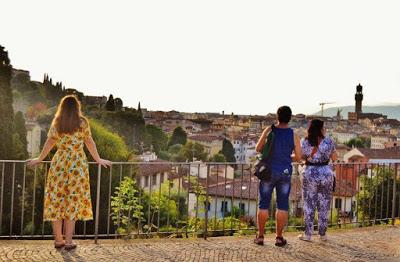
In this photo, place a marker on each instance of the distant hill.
(390, 111)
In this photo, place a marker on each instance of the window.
(242, 208)
(224, 206)
(154, 180)
(338, 203)
(146, 181)
(207, 205)
(161, 178)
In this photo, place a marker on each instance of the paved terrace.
(380, 243)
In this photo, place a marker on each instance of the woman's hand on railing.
(33, 162)
(104, 163)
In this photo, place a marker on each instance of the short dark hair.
(284, 114)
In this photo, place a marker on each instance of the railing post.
(206, 205)
(394, 194)
(96, 226)
(1, 197)
(23, 201)
(12, 199)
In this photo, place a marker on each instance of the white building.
(152, 175)
(148, 156)
(212, 144)
(33, 137)
(245, 149)
(379, 141)
(223, 197)
(200, 169)
(343, 137)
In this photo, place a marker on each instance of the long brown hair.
(315, 132)
(69, 116)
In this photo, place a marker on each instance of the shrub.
(126, 209)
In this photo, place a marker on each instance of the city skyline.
(212, 57)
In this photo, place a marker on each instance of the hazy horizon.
(211, 56)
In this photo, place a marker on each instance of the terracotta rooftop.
(205, 138)
(388, 153)
(246, 188)
(147, 169)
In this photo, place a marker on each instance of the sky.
(245, 57)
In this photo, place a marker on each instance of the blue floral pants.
(317, 193)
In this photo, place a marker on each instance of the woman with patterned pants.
(318, 178)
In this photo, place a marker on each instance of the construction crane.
(322, 104)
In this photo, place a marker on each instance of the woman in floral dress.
(318, 178)
(67, 193)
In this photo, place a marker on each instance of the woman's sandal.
(259, 240)
(59, 244)
(70, 246)
(280, 242)
(304, 237)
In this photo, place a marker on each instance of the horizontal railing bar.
(209, 163)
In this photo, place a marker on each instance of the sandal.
(70, 246)
(259, 240)
(59, 244)
(280, 242)
(304, 237)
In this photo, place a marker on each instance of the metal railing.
(182, 199)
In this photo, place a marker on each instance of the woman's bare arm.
(91, 146)
(297, 149)
(48, 145)
(334, 156)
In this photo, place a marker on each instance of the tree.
(110, 105)
(219, 158)
(156, 137)
(139, 109)
(174, 153)
(6, 109)
(52, 92)
(20, 130)
(118, 104)
(360, 142)
(377, 189)
(179, 136)
(110, 145)
(194, 150)
(228, 151)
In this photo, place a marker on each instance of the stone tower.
(359, 97)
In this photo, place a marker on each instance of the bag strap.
(268, 147)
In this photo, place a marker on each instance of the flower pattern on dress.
(317, 185)
(67, 193)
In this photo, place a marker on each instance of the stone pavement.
(380, 243)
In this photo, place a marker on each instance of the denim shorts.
(281, 183)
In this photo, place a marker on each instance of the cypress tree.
(228, 151)
(110, 105)
(20, 129)
(6, 109)
(179, 136)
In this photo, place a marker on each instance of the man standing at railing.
(286, 148)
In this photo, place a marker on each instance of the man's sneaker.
(323, 238)
(305, 238)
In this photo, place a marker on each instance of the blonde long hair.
(68, 118)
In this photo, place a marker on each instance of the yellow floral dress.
(67, 193)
